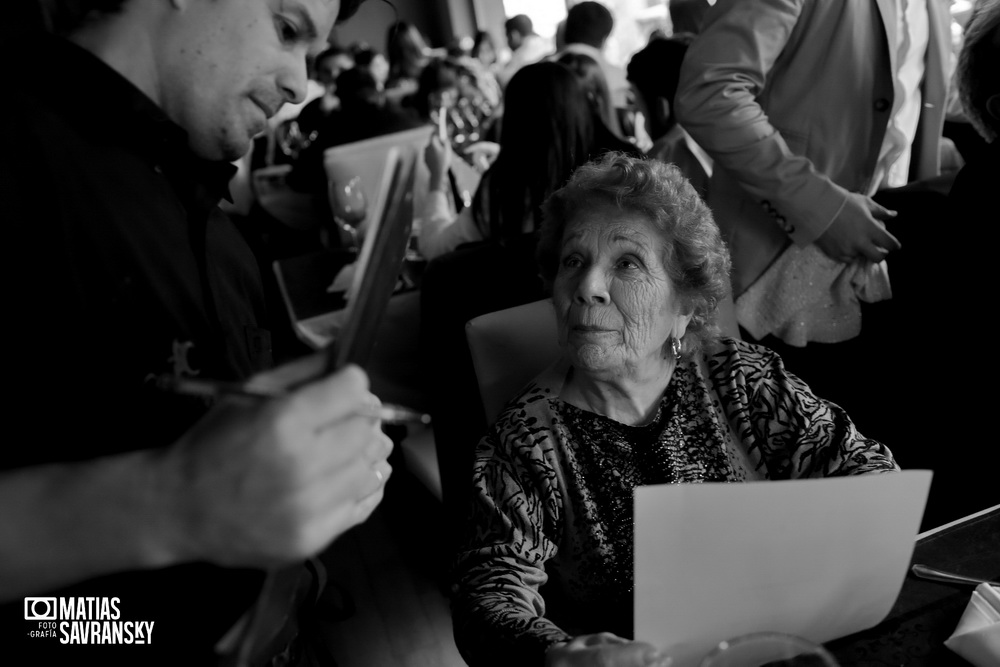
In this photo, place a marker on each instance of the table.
(927, 612)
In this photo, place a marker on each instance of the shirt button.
(881, 104)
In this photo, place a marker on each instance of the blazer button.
(881, 104)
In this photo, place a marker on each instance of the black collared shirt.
(119, 268)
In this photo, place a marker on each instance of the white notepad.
(818, 558)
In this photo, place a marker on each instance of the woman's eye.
(571, 262)
(627, 264)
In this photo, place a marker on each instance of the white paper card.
(818, 558)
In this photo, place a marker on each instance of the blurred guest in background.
(408, 53)
(653, 73)
(687, 16)
(372, 61)
(327, 66)
(645, 393)
(484, 50)
(591, 77)
(973, 194)
(588, 26)
(364, 112)
(525, 44)
(548, 130)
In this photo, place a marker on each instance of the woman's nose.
(592, 288)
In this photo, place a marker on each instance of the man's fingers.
(333, 398)
(887, 241)
(880, 212)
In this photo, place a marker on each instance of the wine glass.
(773, 649)
(349, 205)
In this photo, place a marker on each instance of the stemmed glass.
(349, 205)
(772, 649)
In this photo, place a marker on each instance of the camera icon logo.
(40, 609)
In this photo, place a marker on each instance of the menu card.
(818, 558)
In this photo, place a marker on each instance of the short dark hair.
(588, 23)
(688, 15)
(694, 254)
(655, 71)
(521, 23)
(65, 16)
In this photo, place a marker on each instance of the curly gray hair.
(694, 254)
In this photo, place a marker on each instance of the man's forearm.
(64, 523)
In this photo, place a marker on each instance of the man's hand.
(858, 232)
(604, 650)
(259, 485)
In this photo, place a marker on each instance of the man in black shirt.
(128, 512)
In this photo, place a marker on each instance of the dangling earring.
(675, 348)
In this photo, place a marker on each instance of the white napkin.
(977, 637)
(806, 296)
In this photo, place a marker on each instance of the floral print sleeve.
(516, 516)
(795, 433)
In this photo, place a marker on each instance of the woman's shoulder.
(728, 357)
(533, 403)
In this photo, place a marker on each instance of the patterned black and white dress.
(548, 553)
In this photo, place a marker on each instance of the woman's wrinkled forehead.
(608, 223)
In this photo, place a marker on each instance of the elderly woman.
(645, 393)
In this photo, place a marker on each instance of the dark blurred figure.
(408, 54)
(327, 66)
(437, 88)
(653, 73)
(372, 61)
(526, 47)
(364, 112)
(959, 407)
(973, 193)
(588, 26)
(591, 76)
(484, 50)
(688, 15)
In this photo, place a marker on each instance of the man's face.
(226, 66)
(514, 39)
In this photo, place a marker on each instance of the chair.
(509, 348)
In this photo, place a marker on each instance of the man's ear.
(664, 109)
(993, 106)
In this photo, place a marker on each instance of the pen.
(442, 127)
(388, 413)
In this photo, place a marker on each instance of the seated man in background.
(365, 112)
(327, 66)
(129, 280)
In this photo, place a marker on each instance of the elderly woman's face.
(615, 304)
